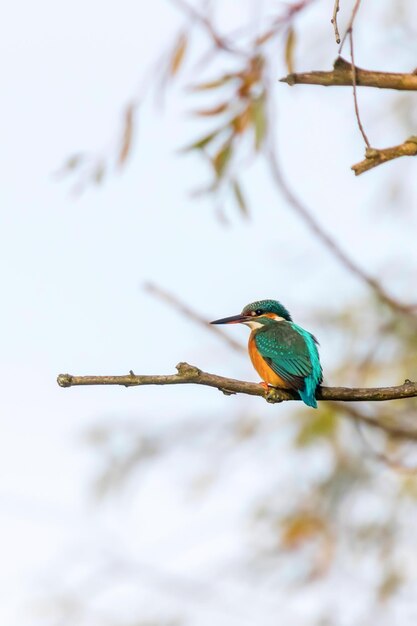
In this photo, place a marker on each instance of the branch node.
(289, 79)
(341, 64)
(375, 157)
(64, 380)
(371, 153)
(188, 371)
(227, 392)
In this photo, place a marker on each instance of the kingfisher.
(284, 354)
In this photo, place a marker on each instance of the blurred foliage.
(241, 113)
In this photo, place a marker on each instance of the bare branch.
(341, 76)
(350, 25)
(395, 431)
(334, 21)
(331, 244)
(375, 157)
(184, 309)
(206, 23)
(189, 374)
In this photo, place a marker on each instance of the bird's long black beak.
(234, 319)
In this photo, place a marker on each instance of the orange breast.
(265, 372)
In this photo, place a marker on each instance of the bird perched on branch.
(284, 354)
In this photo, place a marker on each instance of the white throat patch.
(253, 324)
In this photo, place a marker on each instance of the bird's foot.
(271, 393)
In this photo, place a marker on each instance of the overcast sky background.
(72, 273)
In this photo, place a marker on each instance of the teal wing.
(286, 352)
(292, 353)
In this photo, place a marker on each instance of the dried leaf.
(220, 108)
(127, 136)
(300, 528)
(214, 83)
(390, 583)
(222, 158)
(73, 161)
(178, 54)
(258, 113)
(289, 50)
(241, 122)
(240, 198)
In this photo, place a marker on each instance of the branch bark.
(375, 156)
(189, 374)
(342, 75)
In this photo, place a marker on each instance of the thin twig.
(284, 19)
(218, 41)
(183, 308)
(355, 97)
(350, 24)
(383, 457)
(395, 431)
(334, 21)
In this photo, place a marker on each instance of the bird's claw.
(272, 396)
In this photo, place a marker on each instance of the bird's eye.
(258, 312)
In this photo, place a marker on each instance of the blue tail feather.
(307, 395)
(311, 382)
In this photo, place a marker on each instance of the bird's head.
(256, 314)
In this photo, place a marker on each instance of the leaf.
(220, 108)
(240, 198)
(258, 113)
(289, 50)
(390, 584)
(127, 135)
(214, 83)
(178, 54)
(200, 144)
(241, 121)
(300, 528)
(222, 158)
(73, 161)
